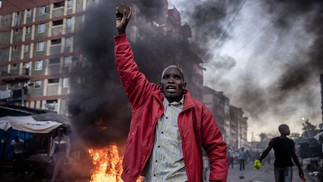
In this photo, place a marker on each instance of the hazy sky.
(264, 55)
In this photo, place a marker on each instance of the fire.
(107, 164)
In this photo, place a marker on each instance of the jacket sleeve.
(136, 85)
(215, 147)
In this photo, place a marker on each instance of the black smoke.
(97, 104)
(289, 73)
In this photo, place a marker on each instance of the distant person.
(231, 156)
(284, 149)
(60, 153)
(248, 156)
(18, 155)
(242, 158)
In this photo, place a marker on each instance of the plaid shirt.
(166, 162)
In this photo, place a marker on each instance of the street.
(265, 174)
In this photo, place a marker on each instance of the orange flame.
(107, 164)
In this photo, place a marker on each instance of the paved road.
(265, 174)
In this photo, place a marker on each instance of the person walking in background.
(60, 153)
(231, 156)
(284, 151)
(169, 128)
(242, 158)
(18, 155)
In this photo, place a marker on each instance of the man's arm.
(295, 159)
(266, 151)
(216, 148)
(134, 82)
(68, 147)
(53, 147)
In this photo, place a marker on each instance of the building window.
(15, 48)
(66, 82)
(37, 84)
(56, 42)
(41, 28)
(17, 18)
(53, 80)
(14, 66)
(51, 104)
(28, 29)
(26, 65)
(68, 41)
(39, 65)
(43, 10)
(40, 46)
(67, 61)
(26, 48)
(59, 4)
(69, 4)
(68, 22)
(57, 22)
(29, 12)
(54, 61)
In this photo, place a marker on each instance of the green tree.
(263, 137)
(309, 130)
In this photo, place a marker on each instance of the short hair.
(173, 66)
(282, 127)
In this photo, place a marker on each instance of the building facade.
(37, 51)
(238, 128)
(230, 119)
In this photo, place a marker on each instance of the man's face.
(172, 83)
(285, 130)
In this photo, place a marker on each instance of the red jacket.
(197, 126)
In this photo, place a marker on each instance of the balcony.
(10, 78)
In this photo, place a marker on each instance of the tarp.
(27, 124)
(51, 116)
(4, 124)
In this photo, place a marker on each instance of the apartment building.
(37, 51)
(230, 119)
(215, 101)
(238, 127)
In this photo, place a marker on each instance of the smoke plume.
(99, 107)
(275, 52)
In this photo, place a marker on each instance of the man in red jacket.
(169, 128)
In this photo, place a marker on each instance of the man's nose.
(171, 79)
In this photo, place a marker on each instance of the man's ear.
(184, 84)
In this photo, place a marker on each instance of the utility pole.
(321, 80)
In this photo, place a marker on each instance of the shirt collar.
(174, 103)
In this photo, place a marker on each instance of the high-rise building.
(37, 51)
